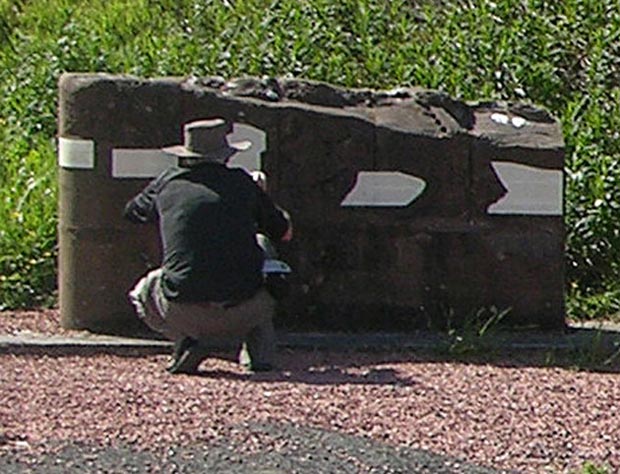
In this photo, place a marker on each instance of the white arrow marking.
(384, 189)
(531, 190)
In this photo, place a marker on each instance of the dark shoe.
(188, 354)
(181, 345)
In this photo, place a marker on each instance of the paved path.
(575, 336)
(302, 450)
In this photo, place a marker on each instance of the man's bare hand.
(288, 236)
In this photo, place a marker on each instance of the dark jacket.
(208, 216)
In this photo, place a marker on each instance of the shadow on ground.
(278, 449)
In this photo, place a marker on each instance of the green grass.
(560, 55)
(591, 468)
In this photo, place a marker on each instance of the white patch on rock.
(503, 119)
(140, 163)
(250, 159)
(76, 153)
(384, 189)
(531, 190)
(150, 162)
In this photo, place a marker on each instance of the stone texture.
(355, 268)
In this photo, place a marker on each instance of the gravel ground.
(320, 411)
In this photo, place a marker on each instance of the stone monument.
(410, 207)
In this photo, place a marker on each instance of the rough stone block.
(410, 207)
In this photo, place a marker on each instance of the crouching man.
(210, 283)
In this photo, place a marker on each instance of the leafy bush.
(561, 55)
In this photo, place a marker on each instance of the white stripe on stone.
(250, 159)
(384, 189)
(531, 190)
(149, 163)
(140, 162)
(76, 153)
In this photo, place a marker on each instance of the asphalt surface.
(301, 450)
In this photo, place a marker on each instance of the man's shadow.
(584, 349)
(315, 367)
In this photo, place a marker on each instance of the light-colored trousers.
(250, 322)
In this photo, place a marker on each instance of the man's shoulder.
(241, 173)
(173, 172)
(237, 178)
(240, 176)
(168, 174)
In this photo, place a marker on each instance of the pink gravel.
(43, 321)
(520, 416)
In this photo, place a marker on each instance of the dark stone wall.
(355, 268)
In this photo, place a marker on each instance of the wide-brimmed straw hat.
(206, 140)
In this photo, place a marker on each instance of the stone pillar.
(100, 255)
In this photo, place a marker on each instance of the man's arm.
(288, 235)
(273, 221)
(142, 209)
(260, 178)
